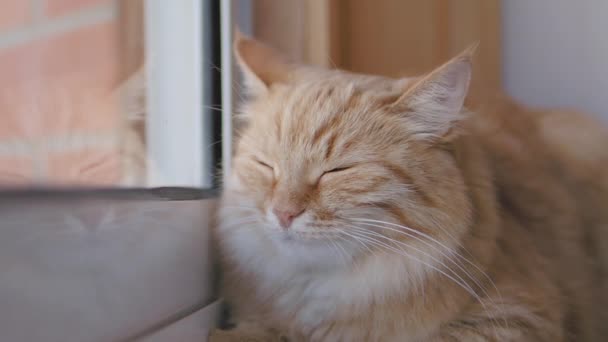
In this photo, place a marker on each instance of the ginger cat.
(363, 208)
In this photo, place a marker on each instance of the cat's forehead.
(336, 109)
(319, 96)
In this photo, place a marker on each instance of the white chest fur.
(312, 291)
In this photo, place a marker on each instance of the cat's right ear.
(261, 65)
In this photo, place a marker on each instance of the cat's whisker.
(402, 227)
(219, 141)
(362, 239)
(477, 297)
(357, 240)
(236, 87)
(447, 233)
(457, 255)
(218, 108)
(343, 256)
(448, 257)
(459, 282)
(343, 232)
(332, 248)
(370, 233)
(419, 285)
(360, 234)
(401, 252)
(342, 247)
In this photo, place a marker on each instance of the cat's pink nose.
(286, 215)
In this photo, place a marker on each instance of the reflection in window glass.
(73, 94)
(61, 120)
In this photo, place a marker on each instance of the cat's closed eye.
(336, 170)
(264, 164)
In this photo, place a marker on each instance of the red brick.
(89, 53)
(15, 171)
(61, 7)
(57, 86)
(14, 13)
(35, 113)
(92, 167)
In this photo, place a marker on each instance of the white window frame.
(179, 136)
(174, 68)
(226, 18)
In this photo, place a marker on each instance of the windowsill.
(156, 194)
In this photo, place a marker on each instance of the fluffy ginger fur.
(415, 219)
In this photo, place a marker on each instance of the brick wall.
(58, 60)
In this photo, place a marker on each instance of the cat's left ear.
(432, 105)
(261, 65)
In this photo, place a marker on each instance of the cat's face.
(328, 159)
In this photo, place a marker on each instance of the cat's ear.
(261, 65)
(432, 105)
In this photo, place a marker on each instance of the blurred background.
(73, 108)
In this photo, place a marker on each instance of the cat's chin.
(291, 236)
(300, 247)
(315, 252)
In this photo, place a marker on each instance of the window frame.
(177, 124)
(191, 45)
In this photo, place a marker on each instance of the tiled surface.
(14, 14)
(16, 170)
(61, 7)
(89, 51)
(94, 166)
(57, 126)
(48, 109)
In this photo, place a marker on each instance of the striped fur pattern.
(415, 219)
